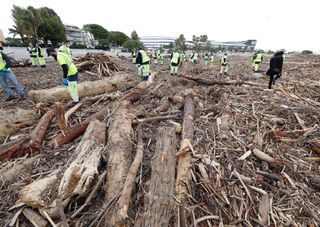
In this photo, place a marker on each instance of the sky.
(275, 24)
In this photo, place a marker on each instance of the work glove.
(4, 70)
(65, 82)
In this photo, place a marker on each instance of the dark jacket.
(276, 63)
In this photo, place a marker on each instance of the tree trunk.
(11, 121)
(183, 172)
(119, 152)
(28, 143)
(90, 88)
(161, 191)
(124, 200)
(78, 177)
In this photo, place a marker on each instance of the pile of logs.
(97, 64)
(171, 151)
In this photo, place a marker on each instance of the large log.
(183, 171)
(119, 152)
(89, 88)
(162, 181)
(11, 121)
(78, 177)
(30, 142)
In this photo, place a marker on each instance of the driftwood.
(76, 180)
(71, 133)
(162, 181)
(98, 64)
(90, 88)
(61, 121)
(217, 82)
(14, 170)
(83, 171)
(34, 194)
(74, 132)
(32, 142)
(124, 200)
(11, 121)
(119, 148)
(183, 171)
(34, 217)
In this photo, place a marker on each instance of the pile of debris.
(97, 64)
(198, 151)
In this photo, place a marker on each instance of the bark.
(30, 142)
(183, 172)
(61, 121)
(119, 148)
(11, 121)
(161, 191)
(90, 88)
(124, 200)
(83, 171)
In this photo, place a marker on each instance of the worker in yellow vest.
(41, 55)
(65, 48)
(211, 60)
(7, 75)
(33, 50)
(256, 59)
(70, 72)
(224, 64)
(143, 62)
(194, 58)
(206, 59)
(158, 54)
(161, 58)
(175, 60)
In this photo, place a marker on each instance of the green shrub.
(306, 52)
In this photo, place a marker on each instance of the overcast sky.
(275, 24)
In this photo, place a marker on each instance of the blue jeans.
(4, 76)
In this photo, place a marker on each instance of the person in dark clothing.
(275, 68)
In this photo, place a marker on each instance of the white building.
(79, 36)
(247, 44)
(157, 41)
(154, 42)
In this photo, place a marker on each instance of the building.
(245, 45)
(154, 42)
(79, 36)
